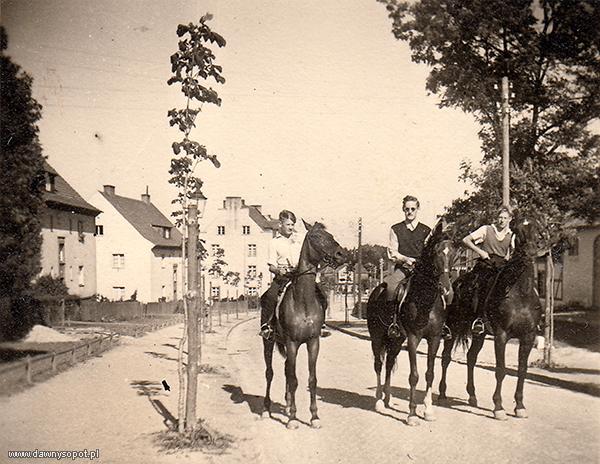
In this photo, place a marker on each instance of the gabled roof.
(263, 222)
(66, 197)
(145, 218)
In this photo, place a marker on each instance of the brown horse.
(299, 320)
(514, 311)
(421, 315)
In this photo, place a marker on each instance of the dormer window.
(166, 232)
(50, 186)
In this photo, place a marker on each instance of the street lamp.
(199, 200)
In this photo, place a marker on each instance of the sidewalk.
(117, 403)
(575, 369)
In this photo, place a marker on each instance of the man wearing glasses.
(406, 241)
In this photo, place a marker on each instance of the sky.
(323, 111)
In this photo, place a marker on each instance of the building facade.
(68, 243)
(243, 234)
(138, 249)
(577, 272)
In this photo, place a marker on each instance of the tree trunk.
(549, 310)
(193, 342)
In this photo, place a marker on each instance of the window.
(251, 250)
(220, 230)
(246, 230)
(80, 231)
(574, 247)
(99, 230)
(252, 291)
(252, 271)
(50, 185)
(166, 232)
(215, 249)
(118, 293)
(61, 258)
(118, 261)
(81, 277)
(215, 292)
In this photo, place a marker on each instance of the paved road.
(563, 425)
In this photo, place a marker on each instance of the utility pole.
(192, 325)
(505, 143)
(359, 266)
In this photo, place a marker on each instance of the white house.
(138, 249)
(68, 245)
(577, 274)
(244, 234)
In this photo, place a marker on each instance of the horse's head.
(441, 252)
(526, 235)
(321, 247)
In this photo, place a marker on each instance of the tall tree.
(191, 65)
(21, 194)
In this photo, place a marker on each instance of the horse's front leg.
(394, 345)
(472, 354)
(413, 378)
(313, 353)
(500, 340)
(432, 348)
(446, 359)
(525, 346)
(291, 383)
(268, 354)
(377, 348)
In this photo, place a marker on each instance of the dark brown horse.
(514, 311)
(421, 315)
(299, 320)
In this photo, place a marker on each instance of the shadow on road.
(255, 402)
(151, 389)
(349, 399)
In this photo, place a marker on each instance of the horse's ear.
(307, 225)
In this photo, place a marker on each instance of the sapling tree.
(192, 65)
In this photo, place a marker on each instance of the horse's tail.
(281, 349)
(460, 316)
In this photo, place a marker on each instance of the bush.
(48, 286)
(18, 315)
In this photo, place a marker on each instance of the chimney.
(146, 196)
(109, 189)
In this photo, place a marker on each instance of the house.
(138, 249)
(243, 234)
(68, 244)
(577, 272)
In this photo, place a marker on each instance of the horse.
(422, 314)
(299, 320)
(514, 311)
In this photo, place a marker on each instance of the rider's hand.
(484, 255)
(410, 262)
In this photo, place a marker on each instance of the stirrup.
(478, 327)
(394, 330)
(266, 332)
(446, 333)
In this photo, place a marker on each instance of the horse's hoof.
(413, 421)
(315, 423)
(287, 411)
(379, 406)
(500, 415)
(293, 424)
(429, 416)
(521, 413)
(473, 401)
(265, 415)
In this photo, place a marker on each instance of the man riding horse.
(493, 244)
(284, 252)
